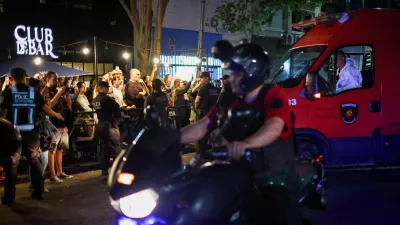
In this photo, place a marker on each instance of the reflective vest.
(22, 100)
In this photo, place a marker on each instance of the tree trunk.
(147, 37)
(161, 8)
(140, 13)
(135, 52)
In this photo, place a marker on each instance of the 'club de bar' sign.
(34, 41)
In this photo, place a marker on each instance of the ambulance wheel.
(309, 150)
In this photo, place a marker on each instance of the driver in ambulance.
(349, 76)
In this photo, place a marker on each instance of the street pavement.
(354, 198)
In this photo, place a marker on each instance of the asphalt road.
(355, 198)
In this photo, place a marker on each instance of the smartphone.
(7, 79)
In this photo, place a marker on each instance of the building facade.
(180, 35)
(184, 17)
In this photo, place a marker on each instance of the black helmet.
(11, 138)
(246, 57)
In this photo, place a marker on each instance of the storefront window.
(67, 64)
(108, 67)
(100, 68)
(78, 66)
(88, 67)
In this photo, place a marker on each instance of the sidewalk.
(67, 203)
(82, 167)
(71, 169)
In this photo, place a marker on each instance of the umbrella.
(28, 64)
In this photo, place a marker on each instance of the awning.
(27, 63)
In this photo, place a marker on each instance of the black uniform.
(109, 115)
(27, 104)
(159, 100)
(209, 96)
(9, 158)
(226, 98)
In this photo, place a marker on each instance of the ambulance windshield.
(293, 66)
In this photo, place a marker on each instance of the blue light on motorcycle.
(147, 221)
(126, 221)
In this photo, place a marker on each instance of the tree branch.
(135, 11)
(244, 16)
(164, 8)
(128, 11)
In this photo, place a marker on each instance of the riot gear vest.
(273, 164)
(23, 109)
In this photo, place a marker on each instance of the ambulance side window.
(348, 68)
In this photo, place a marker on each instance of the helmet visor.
(230, 65)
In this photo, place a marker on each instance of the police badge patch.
(349, 112)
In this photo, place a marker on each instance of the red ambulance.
(359, 125)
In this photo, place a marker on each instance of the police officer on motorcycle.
(109, 115)
(261, 122)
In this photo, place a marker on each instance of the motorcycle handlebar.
(221, 153)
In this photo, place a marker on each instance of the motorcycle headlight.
(140, 204)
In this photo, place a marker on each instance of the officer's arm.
(195, 131)
(197, 102)
(277, 113)
(268, 133)
(116, 109)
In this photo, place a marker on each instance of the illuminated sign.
(34, 41)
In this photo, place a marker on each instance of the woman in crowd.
(179, 90)
(168, 84)
(37, 84)
(55, 97)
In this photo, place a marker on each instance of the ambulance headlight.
(139, 204)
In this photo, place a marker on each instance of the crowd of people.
(55, 100)
(260, 121)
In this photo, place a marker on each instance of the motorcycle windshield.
(154, 157)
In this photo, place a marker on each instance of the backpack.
(23, 103)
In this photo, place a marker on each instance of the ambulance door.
(345, 117)
(387, 66)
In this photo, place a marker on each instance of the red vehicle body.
(355, 127)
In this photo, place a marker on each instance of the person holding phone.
(54, 97)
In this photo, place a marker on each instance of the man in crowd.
(205, 100)
(136, 90)
(226, 97)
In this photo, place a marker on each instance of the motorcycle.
(148, 185)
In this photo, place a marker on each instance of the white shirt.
(349, 77)
(117, 95)
(83, 101)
